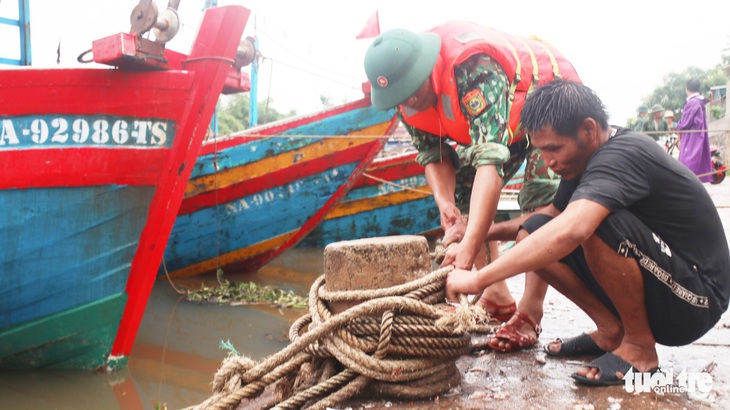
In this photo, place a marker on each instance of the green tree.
(233, 113)
(672, 96)
(267, 114)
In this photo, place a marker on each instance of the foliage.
(672, 96)
(233, 113)
(244, 293)
(326, 101)
(715, 112)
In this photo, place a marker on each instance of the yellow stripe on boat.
(318, 149)
(211, 265)
(368, 204)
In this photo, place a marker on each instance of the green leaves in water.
(227, 345)
(245, 293)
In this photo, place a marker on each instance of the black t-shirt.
(632, 171)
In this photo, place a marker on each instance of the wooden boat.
(255, 194)
(94, 167)
(393, 198)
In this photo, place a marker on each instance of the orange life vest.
(526, 61)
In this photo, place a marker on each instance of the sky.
(621, 49)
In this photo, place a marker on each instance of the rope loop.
(401, 342)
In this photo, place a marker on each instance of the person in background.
(669, 118)
(672, 142)
(637, 123)
(656, 126)
(448, 90)
(694, 141)
(632, 238)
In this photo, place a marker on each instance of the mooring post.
(374, 263)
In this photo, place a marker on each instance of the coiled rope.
(399, 342)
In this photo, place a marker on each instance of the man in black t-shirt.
(632, 238)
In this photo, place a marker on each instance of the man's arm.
(441, 178)
(440, 161)
(482, 86)
(547, 245)
(507, 230)
(482, 206)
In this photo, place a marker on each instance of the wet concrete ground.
(530, 380)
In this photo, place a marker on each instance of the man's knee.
(521, 234)
(535, 222)
(614, 227)
(532, 224)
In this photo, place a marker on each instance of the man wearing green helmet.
(656, 124)
(465, 83)
(637, 123)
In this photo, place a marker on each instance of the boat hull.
(256, 194)
(92, 163)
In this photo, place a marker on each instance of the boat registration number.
(84, 130)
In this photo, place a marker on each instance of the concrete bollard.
(374, 263)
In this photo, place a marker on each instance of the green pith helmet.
(397, 63)
(643, 108)
(656, 108)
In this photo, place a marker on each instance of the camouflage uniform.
(490, 135)
(636, 124)
(651, 128)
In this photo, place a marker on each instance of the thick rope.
(399, 342)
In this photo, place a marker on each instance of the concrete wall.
(720, 129)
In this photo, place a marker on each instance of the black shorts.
(677, 299)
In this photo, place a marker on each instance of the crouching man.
(632, 238)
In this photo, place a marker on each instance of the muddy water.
(177, 350)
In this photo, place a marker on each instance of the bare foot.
(520, 332)
(500, 306)
(499, 312)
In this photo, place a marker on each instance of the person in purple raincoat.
(694, 145)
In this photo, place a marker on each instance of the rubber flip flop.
(608, 365)
(581, 345)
